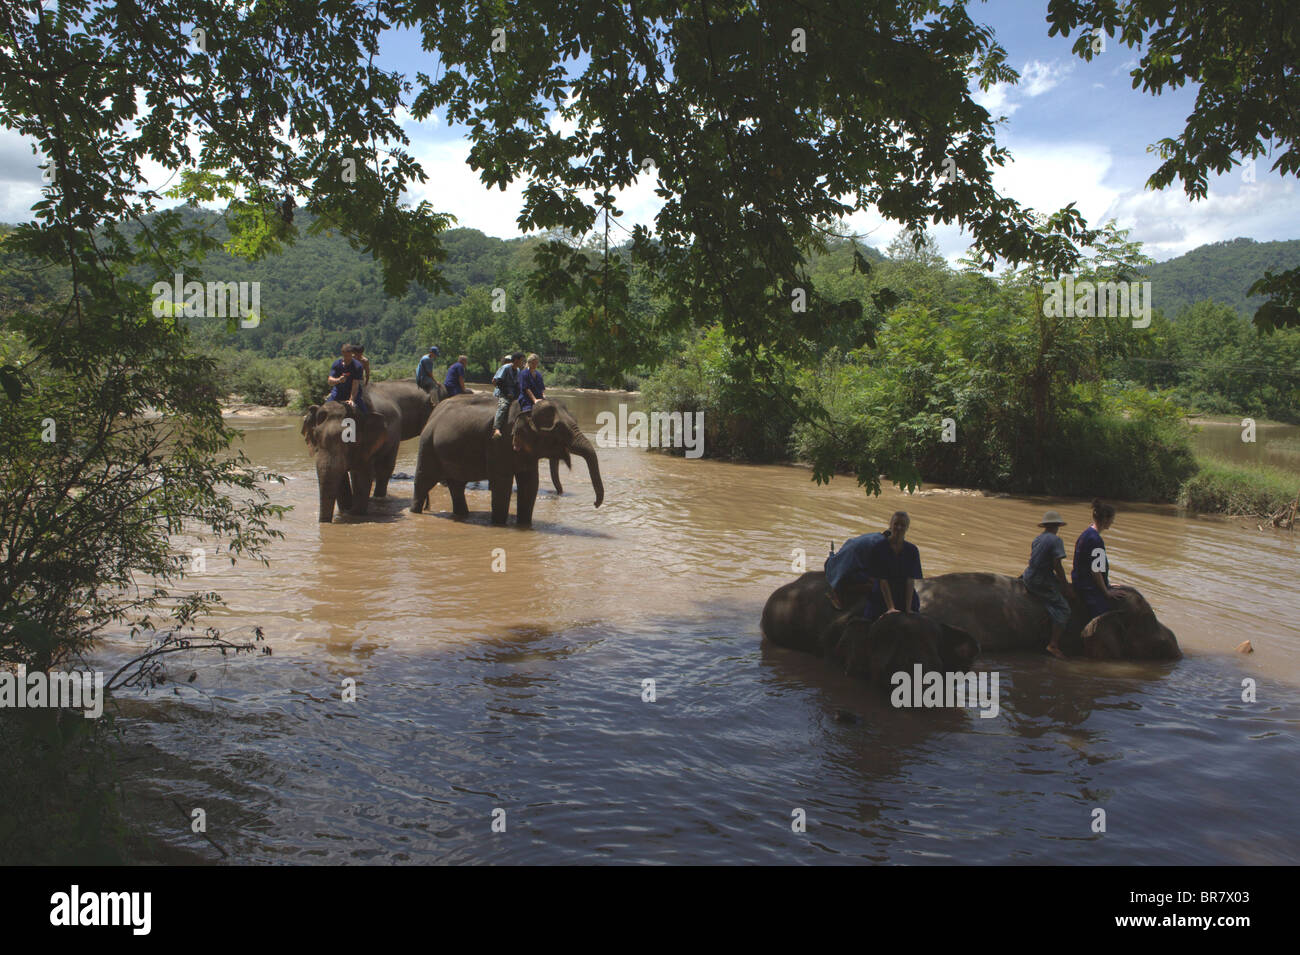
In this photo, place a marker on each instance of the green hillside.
(321, 291)
(1221, 272)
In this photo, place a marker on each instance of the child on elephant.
(1045, 577)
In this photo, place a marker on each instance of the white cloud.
(996, 99)
(1043, 176)
(1169, 224)
(454, 187)
(20, 177)
(404, 118)
(1036, 78)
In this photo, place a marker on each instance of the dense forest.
(321, 291)
(1220, 272)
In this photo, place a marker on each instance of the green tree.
(1242, 59)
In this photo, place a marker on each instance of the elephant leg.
(427, 476)
(528, 483)
(459, 507)
(501, 488)
(345, 494)
(384, 466)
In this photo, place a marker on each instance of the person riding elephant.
(355, 449)
(894, 567)
(1001, 614)
(457, 447)
(798, 616)
(1090, 573)
(847, 577)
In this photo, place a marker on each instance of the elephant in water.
(1002, 615)
(345, 469)
(799, 616)
(457, 447)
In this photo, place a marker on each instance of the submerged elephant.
(457, 447)
(799, 616)
(345, 469)
(1003, 615)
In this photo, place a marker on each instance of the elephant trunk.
(583, 447)
(555, 476)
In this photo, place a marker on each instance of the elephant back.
(798, 614)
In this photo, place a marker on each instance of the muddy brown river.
(517, 696)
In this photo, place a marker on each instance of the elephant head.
(897, 642)
(1129, 631)
(551, 432)
(343, 443)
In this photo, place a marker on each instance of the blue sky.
(1077, 132)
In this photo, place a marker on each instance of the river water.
(522, 691)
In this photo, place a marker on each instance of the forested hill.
(1221, 271)
(320, 291)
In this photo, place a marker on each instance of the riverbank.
(1259, 492)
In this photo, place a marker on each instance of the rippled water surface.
(522, 691)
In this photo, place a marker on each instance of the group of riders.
(887, 566)
(884, 564)
(518, 379)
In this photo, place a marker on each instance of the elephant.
(799, 616)
(1003, 615)
(397, 410)
(457, 447)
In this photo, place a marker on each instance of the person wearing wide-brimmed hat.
(1045, 577)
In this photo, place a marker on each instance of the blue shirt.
(848, 565)
(507, 381)
(529, 380)
(1044, 552)
(425, 368)
(1081, 574)
(455, 380)
(351, 371)
(893, 571)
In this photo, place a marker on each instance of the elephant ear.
(838, 639)
(876, 656)
(957, 648)
(1104, 636)
(374, 431)
(545, 415)
(309, 425)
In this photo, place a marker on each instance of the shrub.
(741, 420)
(1227, 488)
(258, 387)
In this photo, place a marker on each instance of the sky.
(1077, 132)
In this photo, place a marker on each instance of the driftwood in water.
(1285, 516)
